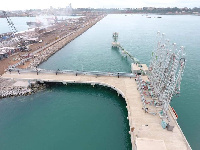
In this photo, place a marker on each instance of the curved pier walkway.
(145, 129)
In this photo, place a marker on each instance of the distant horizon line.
(98, 8)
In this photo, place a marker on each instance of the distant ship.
(34, 24)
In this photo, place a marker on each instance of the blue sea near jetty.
(65, 117)
(92, 52)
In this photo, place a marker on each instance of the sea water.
(92, 52)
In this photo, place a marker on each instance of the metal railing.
(72, 72)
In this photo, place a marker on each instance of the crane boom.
(21, 42)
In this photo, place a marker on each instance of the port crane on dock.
(21, 43)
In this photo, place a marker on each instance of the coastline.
(53, 40)
(36, 58)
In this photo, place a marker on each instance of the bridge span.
(145, 126)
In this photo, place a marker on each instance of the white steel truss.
(166, 70)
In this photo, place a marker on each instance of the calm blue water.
(137, 34)
(20, 22)
(65, 117)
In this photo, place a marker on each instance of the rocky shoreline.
(8, 88)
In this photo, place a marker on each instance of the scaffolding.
(166, 70)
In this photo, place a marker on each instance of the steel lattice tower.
(166, 71)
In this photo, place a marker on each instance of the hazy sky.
(31, 4)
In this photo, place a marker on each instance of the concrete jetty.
(145, 128)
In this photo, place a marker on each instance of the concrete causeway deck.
(145, 129)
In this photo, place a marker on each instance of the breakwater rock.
(9, 88)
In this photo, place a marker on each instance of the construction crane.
(21, 42)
